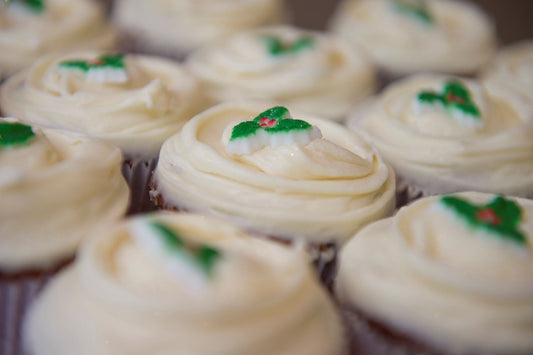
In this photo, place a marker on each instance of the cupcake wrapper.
(15, 297)
(137, 173)
(369, 337)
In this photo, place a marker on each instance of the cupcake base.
(17, 292)
(138, 173)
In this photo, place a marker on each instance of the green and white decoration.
(501, 217)
(14, 134)
(416, 9)
(456, 99)
(195, 263)
(277, 47)
(273, 127)
(107, 68)
(35, 6)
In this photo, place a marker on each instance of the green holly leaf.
(502, 217)
(114, 61)
(276, 47)
(454, 96)
(14, 134)
(37, 6)
(202, 256)
(273, 120)
(418, 10)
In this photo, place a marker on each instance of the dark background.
(513, 18)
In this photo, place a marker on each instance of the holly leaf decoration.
(14, 134)
(36, 6)
(454, 96)
(418, 10)
(501, 216)
(115, 61)
(201, 256)
(277, 47)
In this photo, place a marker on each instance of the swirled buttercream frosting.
(510, 76)
(405, 36)
(294, 178)
(305, 70)
(181, 26)
(55, 188)
(453, 271)
(134, 102)
(447, 134)
(184, 284)
(29, 29)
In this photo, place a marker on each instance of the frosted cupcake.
(445, 134)
(176, 27)
(134, 102)
(305, 70)
(451, 273)
(304, 180)
(510, 76)
(184, 284)
(55, 188)
(30, 29)
(404, 36)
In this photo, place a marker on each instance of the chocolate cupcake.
(134, 102)
(184, 284)
(447, 134)
(306, 70)
(175, 28)
(303, 180)
(442, 275)
(55, 188)
(410, 36)
(30, 29)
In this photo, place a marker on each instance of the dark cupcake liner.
(138, 173)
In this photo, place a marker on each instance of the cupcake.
(55, 188)
(452, 274)
(30, 29)
(133, 102)
(408, 36)
(446, 134)
(305, 180)
(510, 76)
(177, 27)
(184, 284)
(305, 70)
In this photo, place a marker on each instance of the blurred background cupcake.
(30, 29)
(184, 284)
(408, 36)
(176, 27)
(447, 275)
(447, 134)
(306, 70)
(300, 180)
(132, 101)
(55, 188)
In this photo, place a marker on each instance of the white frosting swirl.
(510, 76)
(64, 25)
(136, 115)
(324, 79)
(181, 26)
(322, 191)
(441, 153)
(427, 273)
(120, 299)
(460, 40)
(54, 191)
